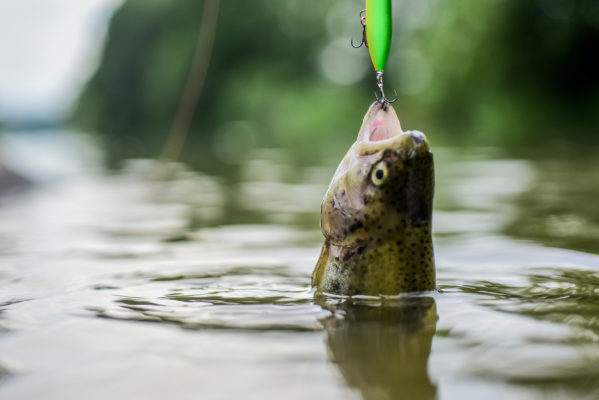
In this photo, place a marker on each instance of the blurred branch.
(195, 82)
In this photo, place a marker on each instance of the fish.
(376, 215)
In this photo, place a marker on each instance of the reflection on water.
(383, 349)
(158, 281)
(248, 298)
(558, 295)
(557, 360)
(558, 208)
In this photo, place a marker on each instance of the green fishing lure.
(379, 28)
(377, 24)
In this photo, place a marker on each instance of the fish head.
(383, 186)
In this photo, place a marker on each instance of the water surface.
(156, 281)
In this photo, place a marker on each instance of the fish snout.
(417, 137)
(412, 144)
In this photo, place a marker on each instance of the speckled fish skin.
(378, 231)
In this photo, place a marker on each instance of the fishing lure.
(377, 27)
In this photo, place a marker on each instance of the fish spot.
(355, 226)
(335, 286)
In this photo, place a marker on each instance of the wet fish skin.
(378, 232)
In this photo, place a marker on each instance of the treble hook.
(379, 83)
(364, 40)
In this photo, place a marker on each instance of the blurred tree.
(262, 70)
(510, 71)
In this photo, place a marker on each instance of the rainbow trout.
(376, 213)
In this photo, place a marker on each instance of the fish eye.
(379, 173)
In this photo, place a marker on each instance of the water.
(197, 286)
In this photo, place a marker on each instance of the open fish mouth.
(381, 130)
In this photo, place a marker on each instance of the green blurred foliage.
(505, 72)
(514, 72)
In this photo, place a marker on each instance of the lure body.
(378, 31)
